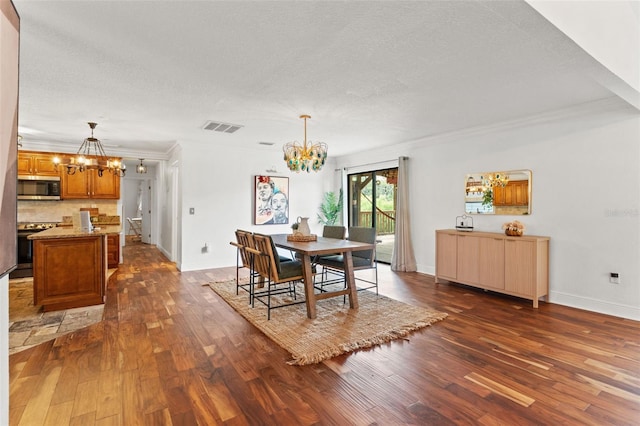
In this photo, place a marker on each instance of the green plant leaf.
(330, 209)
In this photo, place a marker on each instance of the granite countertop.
(95, 223)
(69, 232)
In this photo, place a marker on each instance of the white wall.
(586, 196)
(608, 30)
(4, 350)
(167, 196)
(219, 186)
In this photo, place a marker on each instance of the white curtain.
(403, 259)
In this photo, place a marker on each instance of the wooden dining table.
(309, 249)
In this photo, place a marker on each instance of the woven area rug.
(337, 329)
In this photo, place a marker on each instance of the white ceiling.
(151, 73)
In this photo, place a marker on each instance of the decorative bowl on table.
(300, 237)
(514, 228)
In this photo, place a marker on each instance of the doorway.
(138, 201)
(372, 203)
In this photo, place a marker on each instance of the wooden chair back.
(267, 264)
(245, 239)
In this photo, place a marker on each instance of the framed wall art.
(271, 200)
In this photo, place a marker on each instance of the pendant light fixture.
(141, 168)
(306, 157)
(91, 156)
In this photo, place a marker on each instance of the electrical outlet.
(614, 278)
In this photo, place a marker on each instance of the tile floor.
(29, 326)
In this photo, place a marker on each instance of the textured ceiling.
(151, 73)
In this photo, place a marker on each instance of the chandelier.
(141, 168)
(305, 157)
(495, 179)
(91, 156)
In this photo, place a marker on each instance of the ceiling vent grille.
(217, 126)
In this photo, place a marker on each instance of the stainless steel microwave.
(38, 187)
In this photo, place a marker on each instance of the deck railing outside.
(385, 221)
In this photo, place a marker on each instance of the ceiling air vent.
(217, 126)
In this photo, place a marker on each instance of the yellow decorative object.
(306, 157)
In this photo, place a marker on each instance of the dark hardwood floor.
(171, 352)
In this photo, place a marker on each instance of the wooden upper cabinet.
(88, 184)
(106, 186)
(79, 185)
(36, 163)
(516, 193)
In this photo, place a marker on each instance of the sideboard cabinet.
(518, 266)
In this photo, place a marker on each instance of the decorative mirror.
(507, 193)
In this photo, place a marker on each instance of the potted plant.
(487, 198)
(513, 228)
(330, 209)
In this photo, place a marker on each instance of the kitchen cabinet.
(518, 266)
(88, 184)
(36, 164)
(69, 272)
(515, 193)
(113, 250)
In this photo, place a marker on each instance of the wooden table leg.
(350, 280)
(308, 286)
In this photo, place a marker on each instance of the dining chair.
(334, 231)
(244, 240)
(274, 273)
(329, 231)
(362, 259)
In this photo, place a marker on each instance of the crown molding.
(43, 146)
(611, 104)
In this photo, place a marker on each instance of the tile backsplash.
(52, 211)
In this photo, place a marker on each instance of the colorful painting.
(271, 200)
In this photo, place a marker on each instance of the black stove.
(24, 267)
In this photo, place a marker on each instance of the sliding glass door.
(372, 203)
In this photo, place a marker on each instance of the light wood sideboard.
(518, 266)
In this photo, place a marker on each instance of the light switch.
(192, 210)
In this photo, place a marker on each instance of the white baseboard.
(429, 270)
(167, 255)
(580, 302)
(595, 305)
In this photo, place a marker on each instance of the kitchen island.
(70, 267)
